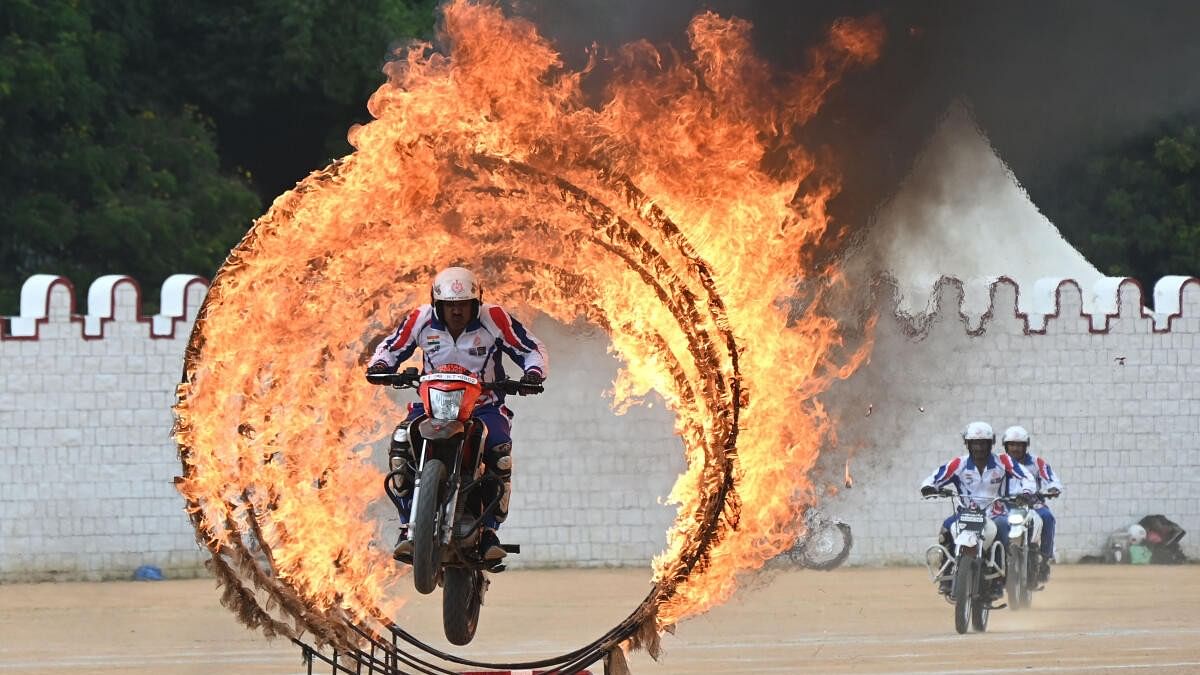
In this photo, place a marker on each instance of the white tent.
(961, 212)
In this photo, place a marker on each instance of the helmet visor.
(979, 445)
(1017, 447)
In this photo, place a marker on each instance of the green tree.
(1134, 211)
(283, 79)
(95, 179)
(142, 136)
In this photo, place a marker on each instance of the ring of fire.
(719, 397)
(542, 196)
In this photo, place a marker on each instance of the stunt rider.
(1016, 446)
(457, 328)
(979, 473)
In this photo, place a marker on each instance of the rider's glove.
(928, 491)
(378, 367)
(532, 377)
(1052, 492)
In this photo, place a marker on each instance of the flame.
(679, 212)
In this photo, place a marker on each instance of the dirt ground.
(1091, 619)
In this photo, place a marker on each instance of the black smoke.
(1049, 82)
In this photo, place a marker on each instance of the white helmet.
(979, 431)
(1137, 534)
(1016, 435)
(455, 283)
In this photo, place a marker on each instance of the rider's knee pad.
(400, 445)
(400, 458)
(499, 460)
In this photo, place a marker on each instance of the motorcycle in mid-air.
(965, 575)
(1024, 549)
(453, 492)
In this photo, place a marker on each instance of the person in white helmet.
(456, 327)
(1016, 446)
(979, 473)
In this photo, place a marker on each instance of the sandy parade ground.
(1090, 619)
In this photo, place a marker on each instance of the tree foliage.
(1135, 209)
(131, 130)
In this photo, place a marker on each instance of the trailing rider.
(1016, 446)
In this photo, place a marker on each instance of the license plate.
(971, 521)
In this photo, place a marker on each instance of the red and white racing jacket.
(477, 349)
(1001, 476)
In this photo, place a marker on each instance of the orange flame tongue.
(672, 214)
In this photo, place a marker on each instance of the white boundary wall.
(1113, 401)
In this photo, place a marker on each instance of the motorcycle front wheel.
(1017, 582)
(980, 605)
(964, 593)
(462, 595)
(427, 545)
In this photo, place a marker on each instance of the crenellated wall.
(86, 458)
(1112, 400)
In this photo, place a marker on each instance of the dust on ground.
(1090, 619)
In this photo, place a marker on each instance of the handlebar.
(409, 378)
(1029, 498)
(514, 387)
(1023, 499)
(405, 379)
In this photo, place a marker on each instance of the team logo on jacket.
(433, 343)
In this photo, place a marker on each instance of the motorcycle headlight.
(445, 405)
(1015, 519)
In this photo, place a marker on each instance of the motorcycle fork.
(445, 527)
(416, 491)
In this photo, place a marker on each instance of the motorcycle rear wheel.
(462, 595)
(427, 545)
(964, 591)
(1033, 562)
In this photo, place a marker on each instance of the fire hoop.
(243, 572)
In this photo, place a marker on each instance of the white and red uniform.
(1000, 476)
(477, 349)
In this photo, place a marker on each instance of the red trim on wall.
(917, 325)
(75, 317)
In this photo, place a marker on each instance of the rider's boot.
(404, 548)
(399, 458)
(489, 546)
(946, 586)
(1044, 570)
(997, 588)
(499, 460)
